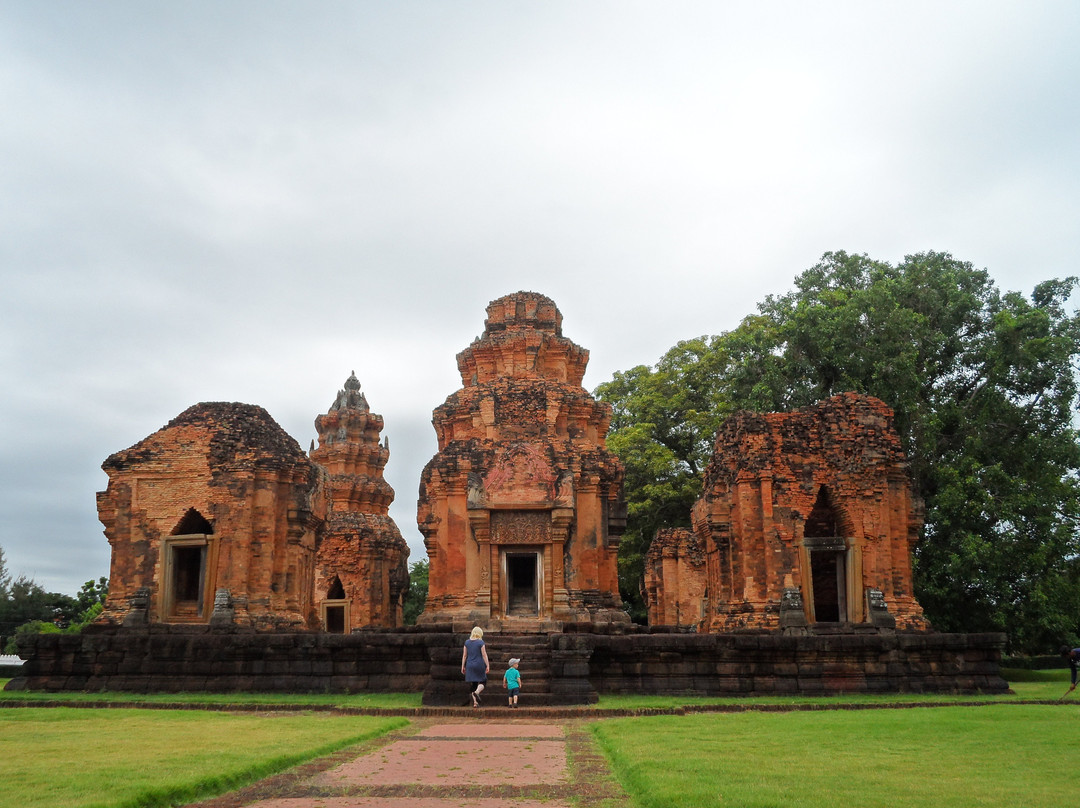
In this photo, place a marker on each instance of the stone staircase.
(553, 671)
(534, 651)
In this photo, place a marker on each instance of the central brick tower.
(522, 508)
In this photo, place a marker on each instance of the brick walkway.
(447, 763)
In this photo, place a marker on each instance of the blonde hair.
(477, 633)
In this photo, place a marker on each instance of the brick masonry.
(360, 564)
(220, 518)
(805, 517)
(522, 477)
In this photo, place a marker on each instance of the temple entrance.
(522, 584)
(335, 609)
(188, 574)
(828, 561)
(334, 618)
(187, 577)
(828, 574)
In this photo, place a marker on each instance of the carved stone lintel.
(521, 527)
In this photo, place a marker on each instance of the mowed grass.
(1003, 754)
(122, 758)
(946, 757)
(373, 701)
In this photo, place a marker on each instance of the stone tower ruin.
(361, 574)
(220, 504)
(220, 519)
(521, 509)
(807, 519)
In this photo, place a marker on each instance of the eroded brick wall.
(362, 551)
(812, 509)
(229, 472)
(519, 444)
(676, 584)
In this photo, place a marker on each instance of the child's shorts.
(513, 691)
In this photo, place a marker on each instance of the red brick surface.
(522, 466)
(455, 762)
(234, 467)
(448, 765)
(361, 546)
(777, 483)
(284, 532)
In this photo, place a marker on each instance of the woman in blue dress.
(474, 663)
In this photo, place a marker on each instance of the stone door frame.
(552, 593)
(336, 604)
(538, 553)
(849, 595)
(167, 603)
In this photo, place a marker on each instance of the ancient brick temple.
(361, 575)
(522, 509)
(807, 519)
(220, 519)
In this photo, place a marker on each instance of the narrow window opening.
(336, 591)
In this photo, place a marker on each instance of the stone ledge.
(572, 670)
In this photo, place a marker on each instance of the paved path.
(447, 763)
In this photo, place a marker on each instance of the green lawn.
(75, 757)
(942, 755)
(945, 757)
(383, 701)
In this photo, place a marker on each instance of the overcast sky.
(244, 201)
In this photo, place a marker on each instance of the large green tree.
(416, 596)
(662, 425)
(984, 388)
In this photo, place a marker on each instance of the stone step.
(549, 678)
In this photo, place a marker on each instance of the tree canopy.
(416, 596)
(26, 606)
(984, 388)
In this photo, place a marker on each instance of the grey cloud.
(245, 201)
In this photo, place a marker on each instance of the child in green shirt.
(512, 680)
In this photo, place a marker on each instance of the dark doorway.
(189, 571)
(823, 537)
(335, 619)
(521, 591)
(828, 578)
